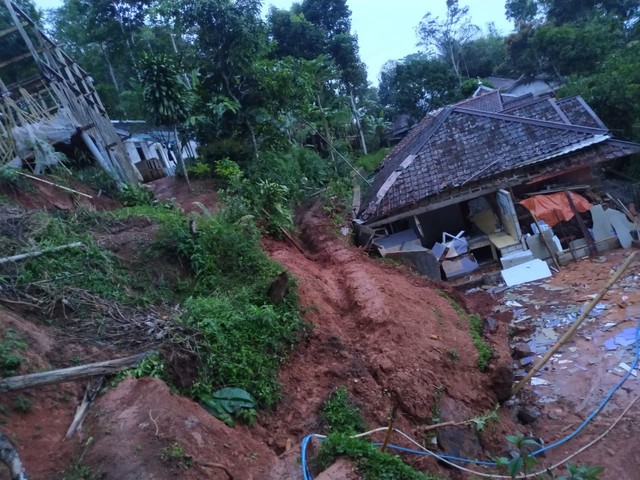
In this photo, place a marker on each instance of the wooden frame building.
(46, 97)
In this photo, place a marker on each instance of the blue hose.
(306, 474)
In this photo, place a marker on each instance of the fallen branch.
(54, 184)
(89, 395)
(9, 456)
(37, 253)
(21, 382)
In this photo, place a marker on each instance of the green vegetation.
(231, 402)
(78, 471)
(581, 472)
(175, 455)
(152, 366)
(522, 463)
(372, 464)
(22, 404)
(372, 161)
(453, 355)
(485, 352)
(341, 415)
(10, 358)
(88, 269)
(343, 420)
(135, 195)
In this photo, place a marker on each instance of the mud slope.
(382, 332)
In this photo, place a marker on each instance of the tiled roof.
(540, 108)
(461, 145)
(487, 102)
(501, 82)
(402, 149)
(579, 113)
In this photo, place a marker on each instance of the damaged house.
(445, 198)
(48, 104)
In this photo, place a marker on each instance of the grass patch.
(485, 352)
(342, 415)
(89, 268)
(10, 358)
(372, 464)
(344, 420)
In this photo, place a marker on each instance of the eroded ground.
(385, 333)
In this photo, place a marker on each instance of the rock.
(490, 325)
(457, 441)
(341, 470)
(521, 350)
(502, 382)
(528, 415)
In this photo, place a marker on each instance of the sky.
(386, 29)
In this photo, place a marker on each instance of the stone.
(528, 415)
(455, 440)
(521, 350)
(343, 469)
(490, 325)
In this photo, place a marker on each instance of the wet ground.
(589, 365)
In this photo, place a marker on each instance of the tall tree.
(445, 37)
(481, 57)
(167, 98)
(416, 85)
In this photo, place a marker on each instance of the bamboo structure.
(49, 87)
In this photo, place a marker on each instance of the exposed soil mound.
(386, 334)
(143, 431)
(175, 189)
(36, 194)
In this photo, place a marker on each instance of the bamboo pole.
(67, 189)
(569, 333)
(37, 253)
(21, 382)
(392, 420)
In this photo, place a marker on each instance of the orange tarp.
(555, 208)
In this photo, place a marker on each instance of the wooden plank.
(583, 227)
(502, 240)
(17, 59)
(7, 31)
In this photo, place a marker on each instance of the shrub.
(241, 345)
(199, 170)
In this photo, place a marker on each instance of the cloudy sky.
(386, 28)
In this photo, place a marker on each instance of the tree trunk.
(326, 131)
(9, 456)
(181, 160)
(52, 377)
(363, 143)
(254, 141)
(110, 67)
